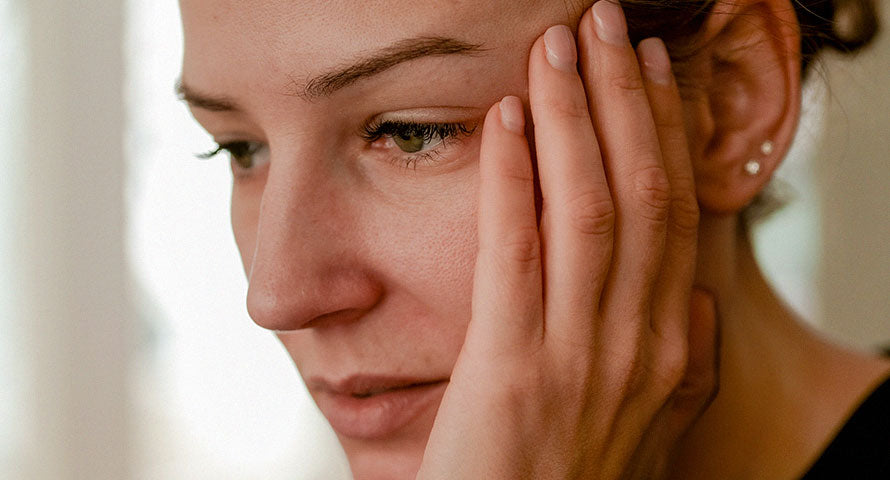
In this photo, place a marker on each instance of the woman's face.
(355, 129)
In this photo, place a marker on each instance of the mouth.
(375, 407)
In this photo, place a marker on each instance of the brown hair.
(842, 25)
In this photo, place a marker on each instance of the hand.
(580, 360)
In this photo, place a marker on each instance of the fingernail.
(512, 116)
(655, 61)
(559, 44)
(609, 22)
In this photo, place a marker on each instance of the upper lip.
(363, 385)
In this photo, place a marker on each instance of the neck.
(771, 418)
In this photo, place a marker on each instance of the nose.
(307, 268)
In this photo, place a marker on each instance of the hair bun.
(855, 23)
(842, 25)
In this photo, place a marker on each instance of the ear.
(743, 99)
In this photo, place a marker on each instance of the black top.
(861, 450)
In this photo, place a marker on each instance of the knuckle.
(520, 250)
(685, 215)
(633, 379)
(566, 106)
(592, 213)
(672, 125)
(652, 192)
(628, 378)
(628, 81)
(516, 173)
(672, 366)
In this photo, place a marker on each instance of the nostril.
(339, 317)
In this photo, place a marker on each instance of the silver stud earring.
(752, 167)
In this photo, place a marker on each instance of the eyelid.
(429, 115)
(451, 135)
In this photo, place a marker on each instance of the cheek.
(444, 251)
(427, 249)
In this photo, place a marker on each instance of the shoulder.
(861, 448)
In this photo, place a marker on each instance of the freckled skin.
(381, 256)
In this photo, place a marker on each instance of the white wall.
(66, 281)
(853, 167)
(14, 374)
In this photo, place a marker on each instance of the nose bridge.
(303, 267)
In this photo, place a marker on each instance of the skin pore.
(362, 253)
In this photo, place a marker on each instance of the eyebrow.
(204, 101)
(399, 52)
(328, 83)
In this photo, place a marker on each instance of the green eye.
(411, 142)
(415, 137)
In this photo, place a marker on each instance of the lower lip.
(380, 415)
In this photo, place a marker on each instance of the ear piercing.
(767, 147)
(752, 167)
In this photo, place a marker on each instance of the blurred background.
(125, 348)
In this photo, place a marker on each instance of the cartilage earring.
(767, 147)
(752, 167)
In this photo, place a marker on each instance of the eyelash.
(371, 132)
(374, 131)
(236, 150)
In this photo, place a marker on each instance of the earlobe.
(749, 102)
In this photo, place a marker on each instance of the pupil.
(409, 143)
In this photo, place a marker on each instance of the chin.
(380, 469)
(395, 458)
(370, 463)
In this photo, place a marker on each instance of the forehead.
(303, 37)
(320, 21)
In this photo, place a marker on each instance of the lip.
(370, 407)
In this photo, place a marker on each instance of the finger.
(507, 298)
(631, 155)
(577, 216)
(670, 311)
